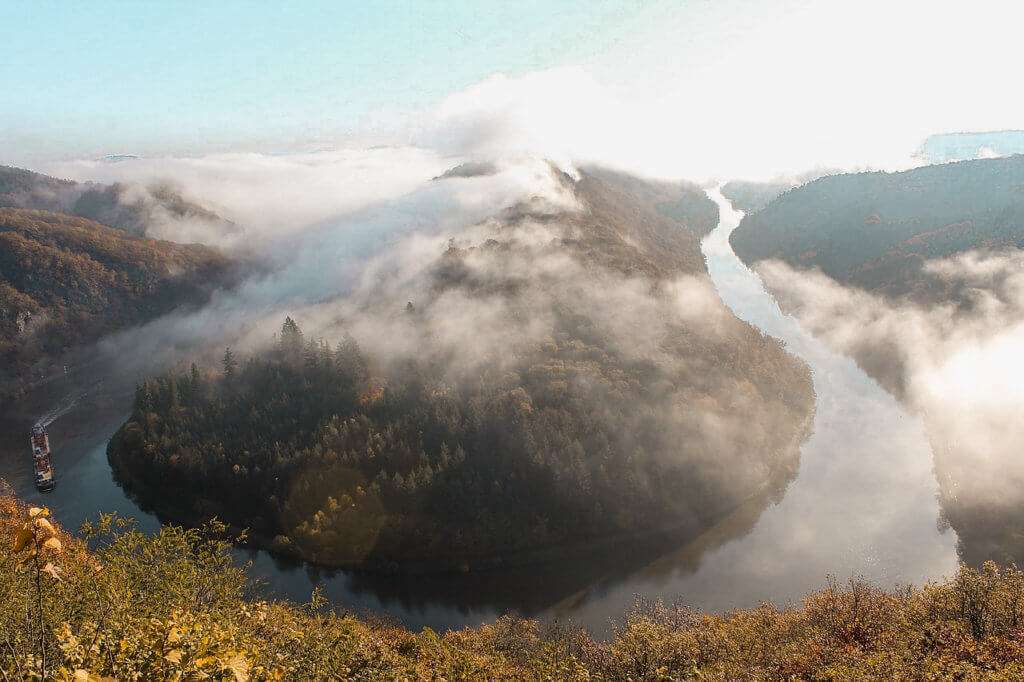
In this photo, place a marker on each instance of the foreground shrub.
(119, 604)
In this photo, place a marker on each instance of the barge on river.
(42, 468)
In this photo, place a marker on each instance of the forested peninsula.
(601, 393)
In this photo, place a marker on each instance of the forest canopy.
(66, 281)
(876, 230)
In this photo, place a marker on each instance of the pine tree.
(145, 400)
(195, 381)
(292, 342)
(172, 392)
(230, 364)
(349, 360)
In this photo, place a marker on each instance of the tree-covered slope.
(875, 230)
(921, 283)
(750, 197)
(66, 281)
(552, 377)
(684, 202)
(135, 209)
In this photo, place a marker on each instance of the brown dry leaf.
(46, 525)
(240, 667)
(52, 570)
(52, 543)
(86, 676)
(37, 511)
(22, 538)
(174, 656)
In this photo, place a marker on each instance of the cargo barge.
(42, 468)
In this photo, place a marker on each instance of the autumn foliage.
(66, 281)
(119, 604)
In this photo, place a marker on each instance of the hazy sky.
(676, 88)
(119, 77)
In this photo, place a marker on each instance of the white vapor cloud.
(958, 362)
(305, 270)
(269, 195)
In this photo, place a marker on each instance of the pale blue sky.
(682, 88)
(108, 77)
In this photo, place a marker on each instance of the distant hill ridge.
(66, 280)
(130, 208)
(875, 230)
(895, 235)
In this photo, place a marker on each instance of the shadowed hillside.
(750, 197)
(684, 202)
(876, 230)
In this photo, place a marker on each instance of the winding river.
(864, 502)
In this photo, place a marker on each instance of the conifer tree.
(229, 363)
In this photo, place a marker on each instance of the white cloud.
(963, 364)
(268, 195)
(755, 90)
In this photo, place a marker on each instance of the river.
(863, 503)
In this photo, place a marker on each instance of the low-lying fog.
(864, 502)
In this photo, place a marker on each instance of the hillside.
(176, 606)
(876, 230)
(135, 209)
(66, 281)
(684, 202)
(751, 197)
(551, 378)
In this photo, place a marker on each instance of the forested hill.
(750, 197)
(683, 202)
(550, 378)
(875, 230)
(135, 209)
(66, 281)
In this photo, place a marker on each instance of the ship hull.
(42, 466)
